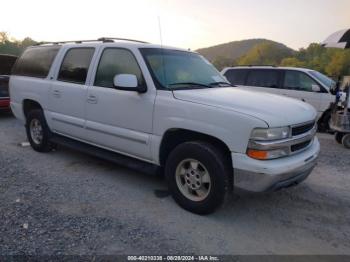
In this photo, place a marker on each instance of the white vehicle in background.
(159, 108)
(300, 83)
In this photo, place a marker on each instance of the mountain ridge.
(236, 49)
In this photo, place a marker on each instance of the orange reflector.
(257, 154)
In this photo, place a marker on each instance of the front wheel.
(324, 124)
(197, 176)
(38, 132)
(346, 141)
(339, 137)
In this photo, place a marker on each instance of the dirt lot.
(65, 202)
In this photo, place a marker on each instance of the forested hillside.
(331, 61)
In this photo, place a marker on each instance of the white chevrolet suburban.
(160, 108)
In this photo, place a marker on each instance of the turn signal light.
(258, 154)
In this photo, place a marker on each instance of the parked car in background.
(6, 64)
(163, 108)
(305, 84)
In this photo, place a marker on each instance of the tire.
(38, 138)
(346, 141)
(181, 174)
(339, 137)
(323, 125)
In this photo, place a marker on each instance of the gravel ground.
(66, 202)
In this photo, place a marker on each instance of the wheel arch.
(30, 104)
(174, 137)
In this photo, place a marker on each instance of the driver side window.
(115, 61)
(295, 80)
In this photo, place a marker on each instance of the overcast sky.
(187, 24)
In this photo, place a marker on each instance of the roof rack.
(258, 65)
(101, 39)
(111, 39)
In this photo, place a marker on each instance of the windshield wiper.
(220, 83)
(191, 84)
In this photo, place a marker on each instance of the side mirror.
(127, 82)
(315, 88)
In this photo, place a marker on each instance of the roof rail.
(259, 65)
(111, 39)
(101, 39)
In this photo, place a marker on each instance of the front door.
(116, 119)
(299, 85)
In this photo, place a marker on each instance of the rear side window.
(263, 78)
(236, 76)
(116, 61)
(75, 65)
(36, 61)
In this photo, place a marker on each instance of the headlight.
(265, 134)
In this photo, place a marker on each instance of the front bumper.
(261, 176)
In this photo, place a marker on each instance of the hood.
(275, 110)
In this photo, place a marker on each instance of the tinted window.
(4, 86)
(298, 81)
(75, 65)
(116, 61)
(172, 69)
(236, 76)
(263, 78)
(6, 64)
(36, 61)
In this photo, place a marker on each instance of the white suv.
(162, 108)
(301, 83)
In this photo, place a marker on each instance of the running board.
(101, 153)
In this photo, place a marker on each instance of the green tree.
(264, 54)
(13, 47)
(222, 62)
(339, 64)
(293, 62)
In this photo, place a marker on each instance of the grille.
(300, 146)
(299, 130)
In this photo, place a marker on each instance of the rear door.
(68, 92)
(297, 84)
(264, 80)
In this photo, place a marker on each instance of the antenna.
(161, 46)
(160, 32)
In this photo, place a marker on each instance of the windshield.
(172, 69)
(328, 82)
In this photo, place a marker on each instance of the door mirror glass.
(316, 88)
(125, 82)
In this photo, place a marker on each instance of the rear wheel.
(38, 132)
(346, 141)
(197, 176)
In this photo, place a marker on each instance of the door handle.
(92, 99)
(56, 93)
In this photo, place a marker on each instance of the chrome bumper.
(261, 176)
